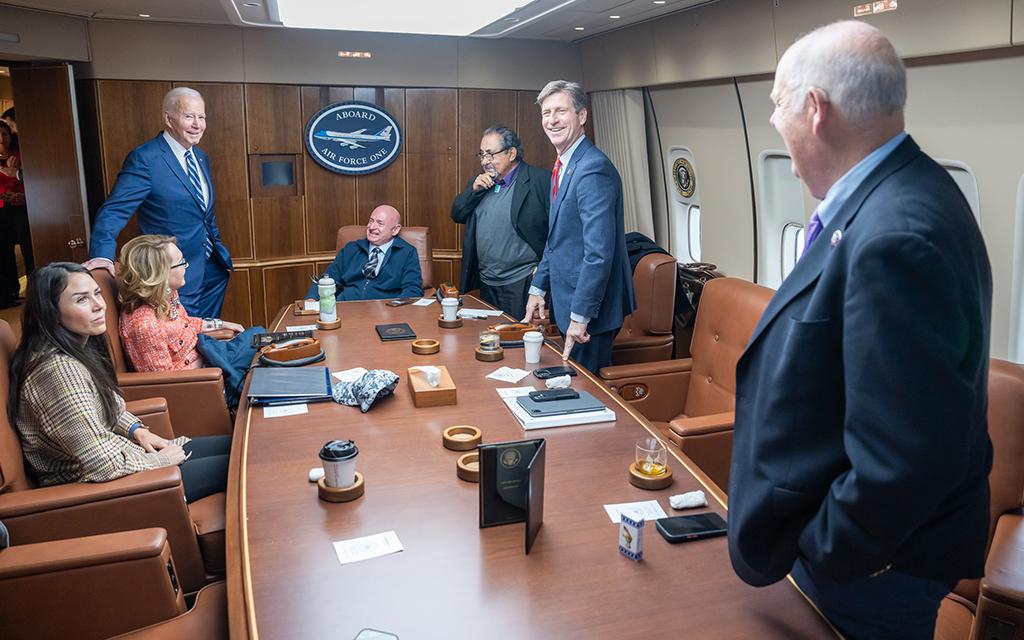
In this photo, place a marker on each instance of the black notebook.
(289, 385)
(401, 331)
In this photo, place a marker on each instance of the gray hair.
(174, 96)
(571, 89)
(509, 139)
(861, 73)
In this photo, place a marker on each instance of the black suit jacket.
(530, 202)
(861, 434)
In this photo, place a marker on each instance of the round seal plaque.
(683, 176)
(353, 138)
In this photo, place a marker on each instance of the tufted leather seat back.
(418, 237)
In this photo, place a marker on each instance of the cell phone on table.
(553, 372)
(685, 528)
(548, 395)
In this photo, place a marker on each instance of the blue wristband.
(131, 431)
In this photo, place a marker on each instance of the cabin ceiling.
(566, 20)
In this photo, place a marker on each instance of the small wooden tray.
(424, 395)
(461, 437)
(328, 326)
(425, 347)
(301, 311)
(650, 483)
(344, 494)
(484, 356)
(468, 466)
(444, 324)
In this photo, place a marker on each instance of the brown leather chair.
(418, 237)
(692, 400)
(993, 607)
(138, 501)
(115, 583)
(196, 397)
(646, 335)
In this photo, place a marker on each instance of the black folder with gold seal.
(401, 331)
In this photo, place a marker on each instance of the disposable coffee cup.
(339, 458)
(532, 340)
(449, 307)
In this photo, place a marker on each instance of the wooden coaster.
(444, 324)
(461, 438)
(343, 494)
(425, 347)
(327, 326)
(468, 467)
(494, 356)
(651, 483)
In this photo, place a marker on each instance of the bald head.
(384, 224)
(855, 66)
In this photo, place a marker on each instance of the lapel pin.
(836, 237)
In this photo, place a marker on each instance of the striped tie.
(193, 175)
(370, 267)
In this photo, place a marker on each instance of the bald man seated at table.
(378, 267)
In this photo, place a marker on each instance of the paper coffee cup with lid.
(339, 458)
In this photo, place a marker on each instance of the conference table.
(453, 579)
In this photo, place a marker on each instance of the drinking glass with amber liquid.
(651, 457)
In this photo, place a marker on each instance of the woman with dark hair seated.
(156, 331)
(66, 403)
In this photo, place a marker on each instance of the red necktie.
(554, 178)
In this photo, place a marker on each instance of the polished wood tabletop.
(453, 579)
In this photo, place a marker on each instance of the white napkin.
(688, 500)
(507, 374)
(561, 382)
(433, 374)
(349, 375)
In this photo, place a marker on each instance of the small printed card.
(379, 544)
(305, 327)
(514, 392)
(649, 510)
(423, 302)
(507, 374)
(287, 410)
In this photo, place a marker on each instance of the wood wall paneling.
(479, 110)
(432, 120)
(433, 184)
(537, 149)
(283, 285)
(278, 226)
(224, 142)
(273, 115)
(330, 196)
(386, 186)
(238, 299)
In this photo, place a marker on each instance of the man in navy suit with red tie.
(861, 451)
(585, 265)
(167, 182)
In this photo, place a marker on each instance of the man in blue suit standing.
(167, 181)
(861, 452)
(585, 264)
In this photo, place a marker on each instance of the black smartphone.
(686, 528)
(553, 372)
(554, 394)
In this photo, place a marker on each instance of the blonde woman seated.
(66, 403)
(156, 331)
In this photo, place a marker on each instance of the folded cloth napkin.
(688, 500)
(560, 382)
(369, 387)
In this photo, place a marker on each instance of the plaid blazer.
(154, 344)
(65, 436)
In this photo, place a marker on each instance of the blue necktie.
(814, 227)
(193, 175)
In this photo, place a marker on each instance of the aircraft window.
(792, 247)
(693, 237)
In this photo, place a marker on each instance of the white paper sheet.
(479, 313)
(349, 375)
(379, 544)
(423, 302)
(512, 392)
(649, 510)
(287, 410)
(508, 374)
(304, 327)
(311, 305)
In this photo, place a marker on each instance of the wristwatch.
(215, 323)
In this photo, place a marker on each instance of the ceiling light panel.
(440, 17)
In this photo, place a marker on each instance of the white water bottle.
(328, 305)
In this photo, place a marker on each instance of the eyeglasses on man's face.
(487, 156)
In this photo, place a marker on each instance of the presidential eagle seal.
(683, 176)
(353, 138)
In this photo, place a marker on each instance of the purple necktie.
(814, 227)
